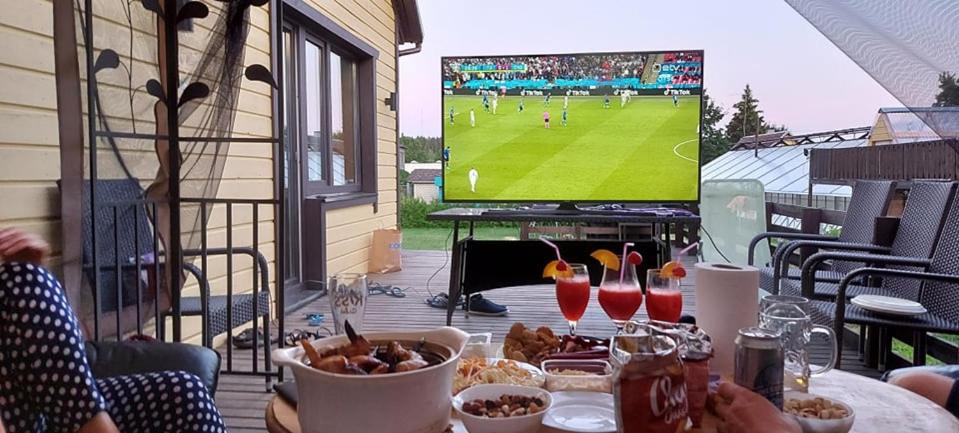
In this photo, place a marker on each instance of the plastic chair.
(733, 212)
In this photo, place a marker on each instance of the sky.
(800, 78)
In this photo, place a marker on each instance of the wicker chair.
(939, 292)
(916, 237)
(122, 201)
(869, 200)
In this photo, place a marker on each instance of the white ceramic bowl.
(513, 424)
(815, 425)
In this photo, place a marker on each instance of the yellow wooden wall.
(29, 148)
(349, 231)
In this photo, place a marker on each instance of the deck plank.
(242, 399)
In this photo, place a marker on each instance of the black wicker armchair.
(869, 200)
(938, 291)
(916, 237)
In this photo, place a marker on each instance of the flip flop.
(244, 340)
(380, 289)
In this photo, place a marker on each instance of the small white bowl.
(514, 424)
(816, 425)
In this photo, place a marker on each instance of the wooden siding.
(349, 231)
(29, 148)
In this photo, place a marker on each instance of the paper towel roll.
(727, 299)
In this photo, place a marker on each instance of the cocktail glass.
(664, 300)
(572, 294)
(620, 298)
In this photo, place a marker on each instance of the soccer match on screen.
(582, 127)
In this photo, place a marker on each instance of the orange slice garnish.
(673, 269)
(556, 269)
(607, 258)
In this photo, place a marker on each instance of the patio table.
(879, 407)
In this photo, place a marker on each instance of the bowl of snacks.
(593, 375)
(339, 379)
(818, 414)
(496, 408)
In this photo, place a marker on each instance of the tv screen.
(584, 128)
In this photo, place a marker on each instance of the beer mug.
(348, 293)
(796, 329)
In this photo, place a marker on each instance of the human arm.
(743, 411)
(19, 246)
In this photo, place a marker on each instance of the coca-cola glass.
(348, 293)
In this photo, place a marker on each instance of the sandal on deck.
(244, 340)
(380, 289)
(441, 300)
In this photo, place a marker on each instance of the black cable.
(711, 241)
(446, 260)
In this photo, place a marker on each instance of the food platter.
(472, 371)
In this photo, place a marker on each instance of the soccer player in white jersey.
(472, 119)
(474, 176)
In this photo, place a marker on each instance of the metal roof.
(780, 169)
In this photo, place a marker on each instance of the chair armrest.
(260, 260)
(109, 359)
(781, 264)
(810, 265)
(782, 235)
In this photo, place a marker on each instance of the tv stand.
(472, 259)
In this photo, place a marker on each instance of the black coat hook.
(192, 9)
(108, 59)
(261, 74)
(194, 91)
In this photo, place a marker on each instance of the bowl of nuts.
(818, 414)
(499, 408)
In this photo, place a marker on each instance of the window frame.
(307, 24)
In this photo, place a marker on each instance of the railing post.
(811, 220)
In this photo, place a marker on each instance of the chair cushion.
(857, 315)
(109, 359)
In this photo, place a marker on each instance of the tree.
(714, 142)
(948, 91)
(422, 149)
(745, 121)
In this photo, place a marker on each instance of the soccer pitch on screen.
(644, 150)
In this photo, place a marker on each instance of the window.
(328, 113)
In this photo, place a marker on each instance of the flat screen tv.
(572, 128)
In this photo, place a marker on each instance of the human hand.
(19, 246)
(743, 411)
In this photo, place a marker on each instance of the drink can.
(759, 363)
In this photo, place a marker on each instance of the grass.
(649, 146)
(439, 238)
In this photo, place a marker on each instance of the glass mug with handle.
(796, 328)
(348, 293)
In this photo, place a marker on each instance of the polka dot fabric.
(45, 381)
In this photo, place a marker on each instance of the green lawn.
(648, 145)
(439, 238)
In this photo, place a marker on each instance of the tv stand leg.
(455, 289)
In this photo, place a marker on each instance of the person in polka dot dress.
(45, 380)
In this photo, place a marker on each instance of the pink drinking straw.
(622, 268)
(554, 248)
(686, 250)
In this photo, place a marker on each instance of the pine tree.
(744, 121)
(714, 141)
(948, 91)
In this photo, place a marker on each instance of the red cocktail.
(620, 294)
(664, 301)
(620, 302)
(572, 293)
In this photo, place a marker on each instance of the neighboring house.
(910, 125)
(412, 166)
(334, 206)
(423, 184)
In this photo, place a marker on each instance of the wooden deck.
(242, 400)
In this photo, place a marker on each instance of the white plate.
(582, 412)
(889, 305)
